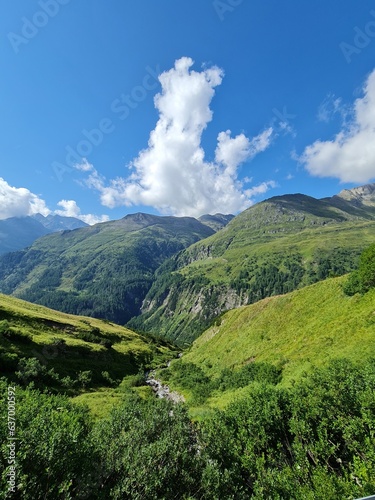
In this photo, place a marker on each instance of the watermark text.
(11, 473)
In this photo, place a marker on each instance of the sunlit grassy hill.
(246, 261)
(276, 340)
(294, 331)
(69, 345)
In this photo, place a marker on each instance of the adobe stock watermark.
(121, 107)
(11, 446)
(362, 39)
(285, 119)
(31, 27)
(222, 7)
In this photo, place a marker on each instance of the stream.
(162, 390)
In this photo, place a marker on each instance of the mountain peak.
(364, 195)
(54, 222)
(216, 221)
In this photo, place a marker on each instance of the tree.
(363, 279)
(367, 268)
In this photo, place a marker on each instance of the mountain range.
(103, 270)
(20, 232)
(274, 247)
(172, 276)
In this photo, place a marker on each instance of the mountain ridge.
(20, 232)
(102, 270)
(273, 247)
(172, 276)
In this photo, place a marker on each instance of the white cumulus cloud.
(172, 174)
(350, 156)
(71, 209)
(19, 202)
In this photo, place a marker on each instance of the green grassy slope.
(295, 331)
(69, 345)
(272, 248)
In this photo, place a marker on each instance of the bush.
(362, 280)
(313, 441)
(107, 378)
(4, 326)
(17, 336)
(84, 378)
(54, 455)
(253, 372)
(30, 369)
(148, 450)
(353, 284)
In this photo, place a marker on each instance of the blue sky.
(292, 81)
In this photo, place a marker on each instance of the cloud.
(71, 209)
(331, 106)
(84, 166)
(171, 174)
(350, 156)
(260, 189)
(19, 202)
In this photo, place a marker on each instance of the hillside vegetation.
(172, 276)
(284, 388)
(294, 332)
(312, 437)
(277, 341)
(69, 353)
(272, 248)
(102, 271)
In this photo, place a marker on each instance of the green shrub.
(84, 378)
(149, 450)
(363, 279)
(253, 372)
(18, 336)
(4, 326)
(53, 453)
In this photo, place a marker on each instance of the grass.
(57, 340)
(223, 268)
(296, 331)
(308, 326)
(220, 272)
(102, 401)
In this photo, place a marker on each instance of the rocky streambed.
(162, 390)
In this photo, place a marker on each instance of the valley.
(237, 354)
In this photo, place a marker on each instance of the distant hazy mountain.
(217, 221)
(20, 232)
(103, 270)
(59, 223)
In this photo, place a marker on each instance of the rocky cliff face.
(361, 195)
(186, 309)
